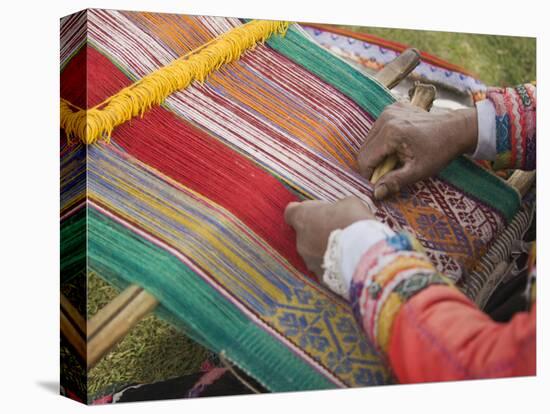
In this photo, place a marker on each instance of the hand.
(424, 144)
(315, 220)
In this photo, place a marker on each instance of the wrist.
(466, 130)
(388, 275)
(345, 249)
(486, 148)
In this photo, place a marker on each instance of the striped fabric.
(187, 201)
(516, 113)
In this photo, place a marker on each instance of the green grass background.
(496, 60)
(154, 350)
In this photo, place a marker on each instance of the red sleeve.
(440, 335)
(426, 327)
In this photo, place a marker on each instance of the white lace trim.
(332, 276)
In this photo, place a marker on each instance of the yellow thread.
(385, 321)
(186, 219)
(98, 122)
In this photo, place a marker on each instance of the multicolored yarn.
(389, 274)
(92, 123)
(374, 53)
(516, 111)
(188, 200)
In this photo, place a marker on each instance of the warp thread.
(148, 137)
(89, 125)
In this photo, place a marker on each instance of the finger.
(376, 127)
(291, 212)
(294, 211)
(314, 265)
(392, 182)
(373, 154)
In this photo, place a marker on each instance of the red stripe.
(523, 125)
(73, 80)
(507, 100)
(197, 160)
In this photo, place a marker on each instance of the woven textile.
(498, 262)
(374, 53)
(187, 201)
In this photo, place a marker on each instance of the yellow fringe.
(98, 122)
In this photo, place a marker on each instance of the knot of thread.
(90, 125)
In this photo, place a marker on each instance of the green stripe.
(365, 91)
(73, 246)
(372, 97)
(482, 185)
(122, 257)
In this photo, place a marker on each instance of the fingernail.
(367, 173)
(381, 191)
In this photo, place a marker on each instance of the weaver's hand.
(315, 220)
(423, 142)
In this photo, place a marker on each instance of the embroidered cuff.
(515, 118)
(486, 131)
(344, 250)
(389, 274)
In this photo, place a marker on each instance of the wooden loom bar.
(522, 180)
(116, 319)
(73, 327)
(103, 317)
(399, 68)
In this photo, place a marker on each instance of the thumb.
(371, 155)
(392, 182)
(291, 211)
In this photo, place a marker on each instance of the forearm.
(427, 329)
(388, 275)
(440, 335)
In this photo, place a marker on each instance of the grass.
(496, 60)
(152, 351)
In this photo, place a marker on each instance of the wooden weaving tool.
(113, 321)
(73, 327)
(423, 96)
(399, 68)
